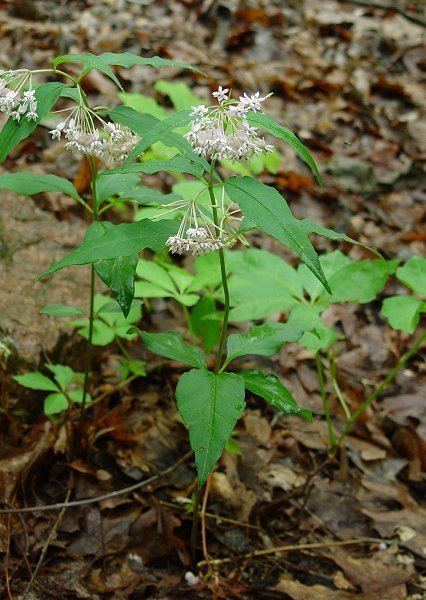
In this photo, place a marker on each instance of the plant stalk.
(379, 389)
(221, 347)
(224, 327)
(89, 351)
(325, 403)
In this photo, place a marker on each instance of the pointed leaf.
(61, 310)
(403, 312)
(268, 210)
(63, 375)
(55, 404)
(268, 124)
(118, 274)
(176, 164)
(28, 184)
(36, 381)
(119, 240)
(173, 346)
(263, 340)
(210, 405)
(12, 132)
(413, 274)
(274, 392)
(161, 131)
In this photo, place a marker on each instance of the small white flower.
(222, 132)
(191, 579)
(221, 94)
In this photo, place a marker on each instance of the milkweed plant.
(210, 224)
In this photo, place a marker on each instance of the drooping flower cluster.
(109, 141)
(197, 233)
(223, 131)
(17, 98)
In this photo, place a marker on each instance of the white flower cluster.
(15, 100)
(223, 131)
(197, 241)
(198, 234)
(110, 141)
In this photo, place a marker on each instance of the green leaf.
(403, 312)
(119, 240)
(77, 396)
(274, 392)
(179, 93)
(63, 375)
(61, 310)
(144, 124)
(207, 330)
(210, 405)
(102, 62)
(261, 284)
(268, 210)
(160, 131)
(268, 124)
(413, 274)
(176, 164)
(173, 346)
(55, 404)
(149, 196)
(12, 132)
(331, 264)
(110, 184)
(155, 274)
(36, 381)
(361, 281)
(263, 340)
(321, 338)
(144, 104)
(28, 184)
(118, 274)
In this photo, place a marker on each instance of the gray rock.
(30, 240)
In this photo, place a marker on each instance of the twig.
(372, 397)
(114, 494)
(393, 8)
(49, 539)
(291, 547)
(214, 516)
(203, 521)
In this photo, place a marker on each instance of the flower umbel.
(17, 98)
(197, 233)
(88, 133)
(223, 131)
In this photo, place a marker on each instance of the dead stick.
(288, 548)
(49, 539)
(397, 9)
(114, 494)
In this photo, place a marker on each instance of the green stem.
(224, 328)
(325, 404)
(390, 377)
(89, 351)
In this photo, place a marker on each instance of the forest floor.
(284, 519)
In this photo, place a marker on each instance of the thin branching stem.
(380, 388)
